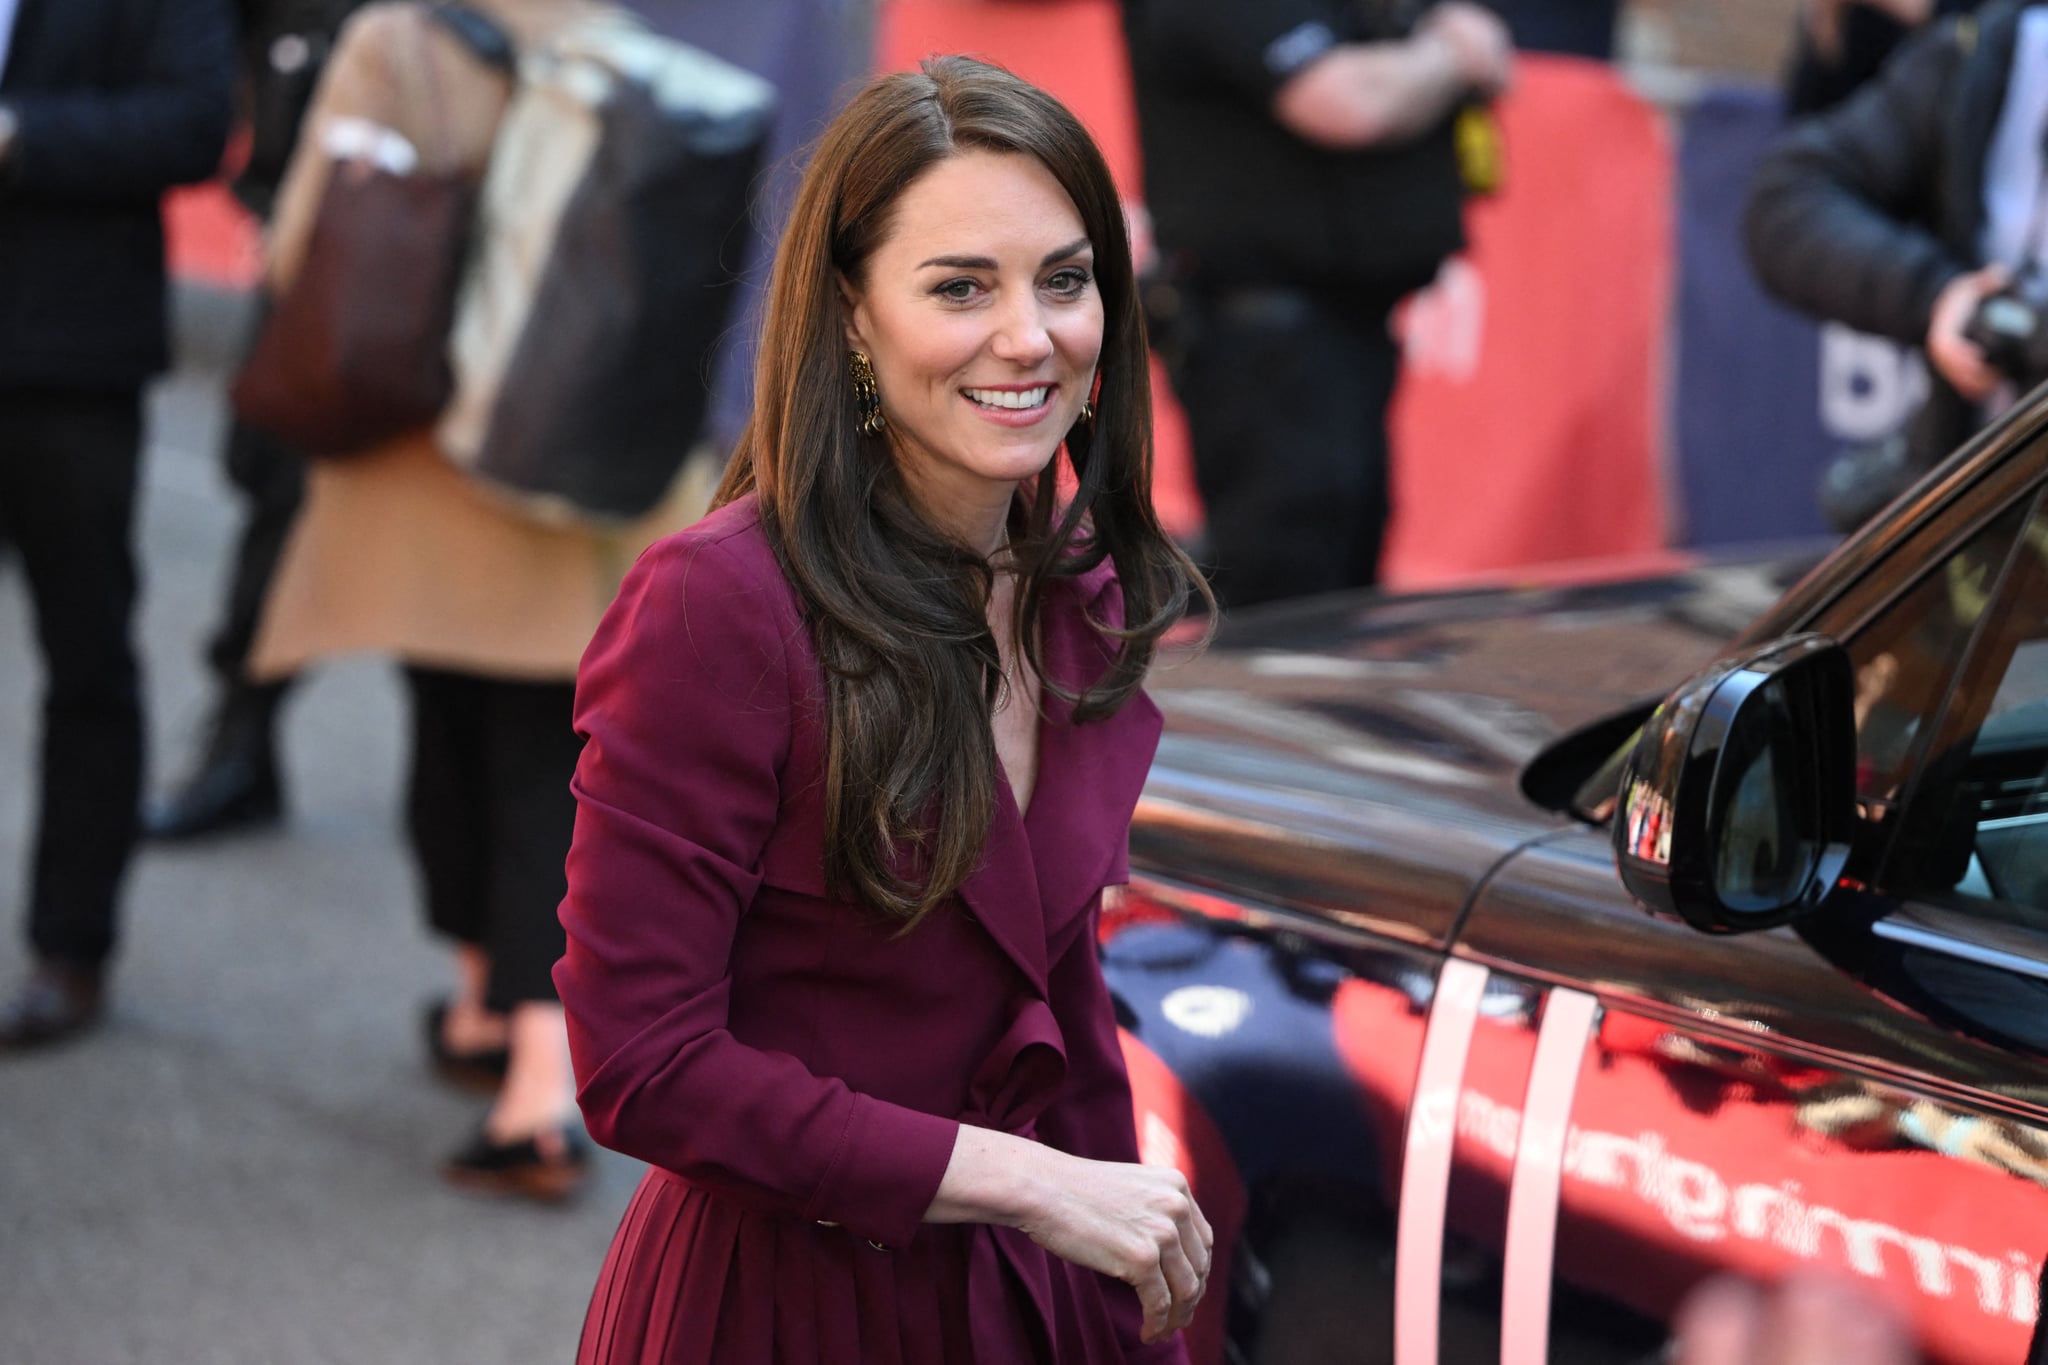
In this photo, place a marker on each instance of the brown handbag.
(354, 351)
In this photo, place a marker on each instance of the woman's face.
(980, 314)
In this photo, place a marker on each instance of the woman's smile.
(1018, 405)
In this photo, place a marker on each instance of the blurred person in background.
(398, 552)
(233, 783)
(104, 105)
(1917, 209)
(809, 49)
(1302, 173)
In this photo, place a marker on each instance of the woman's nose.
(1021, 334)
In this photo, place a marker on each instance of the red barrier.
(1527, 426)
(212, 239)
(1074, 48)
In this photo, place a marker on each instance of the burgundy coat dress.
(792, 1068)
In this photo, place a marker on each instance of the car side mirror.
(1738, 804)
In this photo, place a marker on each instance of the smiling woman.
(984, 324)
(861, 754)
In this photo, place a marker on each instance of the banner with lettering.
(1765, 397)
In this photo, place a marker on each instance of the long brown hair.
(897, 608)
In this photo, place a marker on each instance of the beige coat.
(396, 551)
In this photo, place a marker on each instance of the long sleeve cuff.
(886, 1171)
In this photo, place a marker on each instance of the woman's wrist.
(993, 1178)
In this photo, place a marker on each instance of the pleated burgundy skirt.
(693, 1278)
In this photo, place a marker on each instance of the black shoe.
(483, 1071)
(548, 1167)
(229, 794)
(54, 1004)
(235, 784)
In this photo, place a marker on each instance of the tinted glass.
(1976, 826)
(1765, 851)
(1907, 659)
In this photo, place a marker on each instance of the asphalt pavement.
(239, 1168)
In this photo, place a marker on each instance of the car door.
(1866, 1091)
(1335, 782)
(1295, 1044)
(1275, 1012)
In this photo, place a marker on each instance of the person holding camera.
(1917, 209)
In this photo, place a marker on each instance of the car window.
(1907, 659)
(1974, 831)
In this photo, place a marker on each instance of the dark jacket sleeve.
(685, 703)
(1093, 1116)
(1249, 50)
(165, 125)
(1839, 221)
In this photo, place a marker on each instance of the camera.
(2011, 328)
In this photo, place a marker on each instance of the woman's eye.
(1068, 282)
(956, 291)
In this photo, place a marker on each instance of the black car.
(1495, 993)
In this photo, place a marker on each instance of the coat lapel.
(1038, 873)
(1089, 775)
(1003, 892)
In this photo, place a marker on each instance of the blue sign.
(1764, 398)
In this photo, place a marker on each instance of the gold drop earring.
(867, 399)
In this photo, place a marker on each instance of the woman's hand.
(1134, 1223)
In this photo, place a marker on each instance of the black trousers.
(490, 814)
(272, 479)
(1286, 393)
(68, 472)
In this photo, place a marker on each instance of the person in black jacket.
(1302, 172)
(1902, 209)
(104, 104)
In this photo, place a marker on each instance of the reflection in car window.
(1976, 824)
(1907, 658)
(1765, 854)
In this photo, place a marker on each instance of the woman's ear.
(850, 312)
